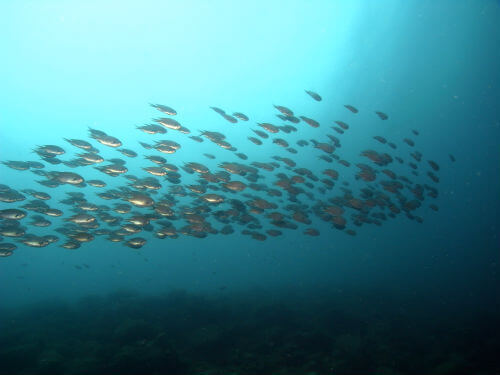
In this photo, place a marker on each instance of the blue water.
(430, 65)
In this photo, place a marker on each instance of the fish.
(409, 142)
(257, 192)
(7, 246)
(165, 109)
(433, 165)
(314, 95)
(229, 118)
(70, 178)
(280, 142)
(236, 186)
(140, 199)
(84, 145)
(135, 243)
(310, 121)
(34, 241)
(351, 108)
(382, 115)
(240, 116)
(380, 139)
(269, 127)
(256, 141)
(342, 124)
(168, 123)
(302, 143)
(284, 110)
(17, 165)
(212, 198)
(128, 152)
(91, 157)
(311, 232)
(49, 150)
(12, 214)
(152, 129)
(218, 110)
(196, 138)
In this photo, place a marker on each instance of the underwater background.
(412, 293)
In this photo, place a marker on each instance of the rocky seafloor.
(331, 331)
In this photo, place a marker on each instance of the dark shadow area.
(281, 332)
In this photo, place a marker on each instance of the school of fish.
(166, 199)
